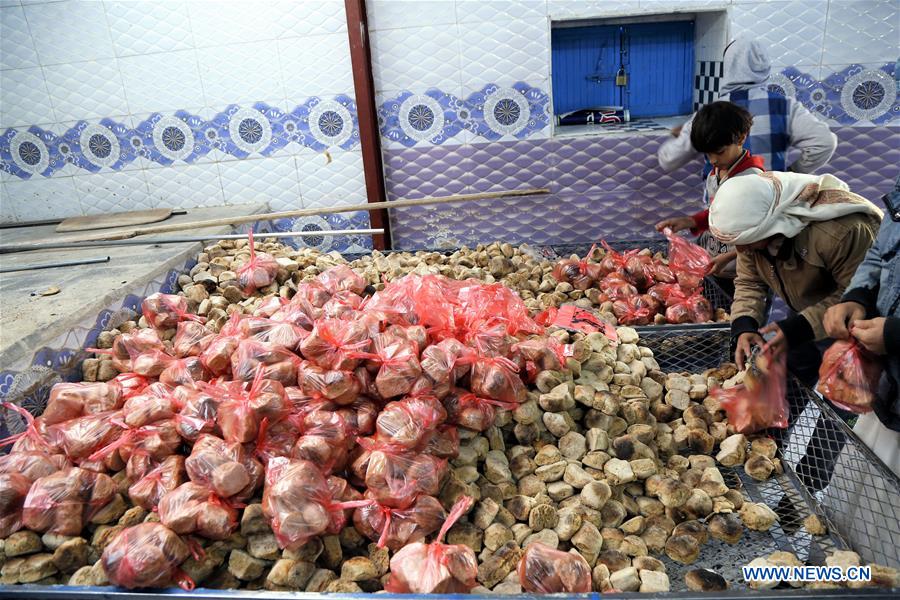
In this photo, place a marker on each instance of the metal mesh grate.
(828, 471)
(692, 348)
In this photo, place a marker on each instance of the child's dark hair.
(719, 124)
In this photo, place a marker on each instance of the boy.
(719, 131)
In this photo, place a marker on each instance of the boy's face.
(725, 157)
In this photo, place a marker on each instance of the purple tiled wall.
(600, 187)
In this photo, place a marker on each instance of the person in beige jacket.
(802, 236)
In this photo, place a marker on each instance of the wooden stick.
(306, 212)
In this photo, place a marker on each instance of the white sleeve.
(676, 152)
(812, 137)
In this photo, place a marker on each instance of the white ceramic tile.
(861, 31)
(240, 72)
(86, 90)
(69, 31)
(16, 47)
(581, 9)
(670, 6)
(269, 179)
(220, 23)
(189, 186)
(42, 198)
(792, 32)
(398, 14)
(315, 66)
(310, 17)
(710, 35)
(6, 209)
(416, 59)
(8, 3)
(162, 82)
(504, 53)
(24, 99)
(479, 11)
(331, 179)
(142, 27)
(113, 192)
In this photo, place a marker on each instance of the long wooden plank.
(118, 219)
(306, 212)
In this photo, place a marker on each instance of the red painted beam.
(367, 115)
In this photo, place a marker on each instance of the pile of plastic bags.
(644, 288)
(335, 407)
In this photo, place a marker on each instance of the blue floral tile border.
(490, 113)
(318, 124)
(853, 96)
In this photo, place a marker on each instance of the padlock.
(621, 78)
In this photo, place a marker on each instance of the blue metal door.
(585, 61)
(657, 60)
(660, 66)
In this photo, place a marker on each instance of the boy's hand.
(744, 348)
(841, 317)
(676, 131)
(676, 224)
(721, 261)
(870, 334)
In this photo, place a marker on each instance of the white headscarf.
(746, 64)
(752, 208)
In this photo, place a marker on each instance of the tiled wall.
(126, 105)
(463, 91)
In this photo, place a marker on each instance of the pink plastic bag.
(228, 469)
(849, 376)
(580, 273)
(543, 570)
(340, 387)
(399, 365)
(73, 400)
(13, 490)
(198, 413)
(333, 343)
(393, 527)
(146, 556)
(300, 503)
(164, 311)
(242, 408)
(761, 402)
(495, 377)
(341, 278)
(64, 502)
(325, 441)
(632, 311)
(155, 402)
(435, 568)
(468, 410)
(184, 371)
(258, 272)
(195, 509)
(685, 256)
(277, 363)
(36, 437)
(409, 422)
(191, 339)
(149, 489)
(32, 465)
(396, 476)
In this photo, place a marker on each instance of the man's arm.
(677, 151)
(812, 137)
(750, 291)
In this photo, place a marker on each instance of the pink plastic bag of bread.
(543, 570)
(146, 556)
(435, 568)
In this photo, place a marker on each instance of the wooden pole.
(304, 212)
(367, 118)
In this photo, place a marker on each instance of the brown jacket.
(810, 273)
